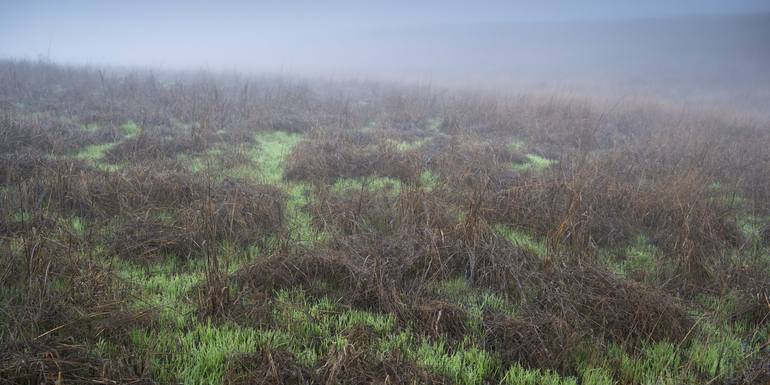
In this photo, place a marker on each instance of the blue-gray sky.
(668, 44)
(218, 33)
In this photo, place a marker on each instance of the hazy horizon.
(697, 50)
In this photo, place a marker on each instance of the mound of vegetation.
(214, 229)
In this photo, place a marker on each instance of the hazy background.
(698, 51)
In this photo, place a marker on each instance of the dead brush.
(623, 311)
(158, 143)
(607, 199)
(18, 166)
(387, 269)
(353, 363)
(689, 224)
(534, 340)
(357, 280)
(54, 306)
(578, 205)
(244, 213)
(423, 231)
(147, 238)
(42, 134)
(348, 364)
(467, 160)
(439, 318)
(82, 190)
(330, 155)
(757, 373)
(268, 367)
(155, 144)
(749, 282)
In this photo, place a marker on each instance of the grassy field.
(210, 229)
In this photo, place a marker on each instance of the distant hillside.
(715, 58)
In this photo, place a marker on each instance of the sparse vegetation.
(206, 231)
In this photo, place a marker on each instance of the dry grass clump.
(425, 233)
(349, 364)
(164, 142)
(390, 267)
(55, 305)
(156, 209)
(285, 270)
(18, 166)
(331, 155)
(581, 206)
(268, 367)
(465, 160)
(607, 200)
(758, 373)
(623, 311)
(749, 283)
(354, 363)
(149, 238)
(241, 214)
(440, 318)
(43, 134)
(534, 340)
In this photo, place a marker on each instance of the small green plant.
(274, 147)
(429, 180)
(94, 152)
(522, 239)
(198, 356)
(129, 128)
(78, 225)
(465, 366)
(641, 256)
(596, 376)
(90, 127)
(518, 375)
(717, 353)
(534, 162)
(434, 123)
(516, 145)
(373, 184)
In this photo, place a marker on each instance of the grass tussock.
(197, 229)
(330, 155)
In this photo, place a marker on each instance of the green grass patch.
(314, 326)
(300, 222)
(523, 239)
(518, 375)
(658, 363)
(464, 366)
(475, 301)
(717, 356)
(434, 123)
(534, 162)
(129, 128)
(271, 156)
(370, 183)
(429, 180)
(199, 356)
(90, 127)
(94, 152)
(641, 258)
(516, 145)
(162, 288)
(403, 145)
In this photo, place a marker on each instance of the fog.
(705, 51)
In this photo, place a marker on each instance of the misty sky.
(268, 34)
(717, 51)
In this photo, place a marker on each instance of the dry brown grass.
(689, 182)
